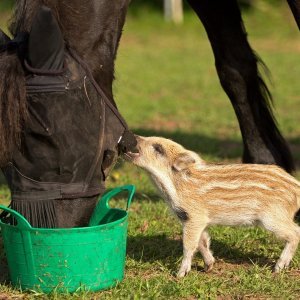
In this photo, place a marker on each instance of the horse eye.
(159, 149)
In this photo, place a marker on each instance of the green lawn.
(166, 85)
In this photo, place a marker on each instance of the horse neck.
(92, 28)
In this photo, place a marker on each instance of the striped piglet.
(203, 194)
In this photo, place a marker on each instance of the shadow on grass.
(221, 148)
(295, 148)
(138, 6)
(169, 251)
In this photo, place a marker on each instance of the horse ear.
(46, 44)
(183, 161)
(4, 39)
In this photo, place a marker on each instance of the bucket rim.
(24, 225)
(61, 230)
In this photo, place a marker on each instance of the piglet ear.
(183, 161)
(46, 44)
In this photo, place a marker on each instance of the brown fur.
(13, 109)
(204, 194)
(92, 28)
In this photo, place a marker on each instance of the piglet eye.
(159, 149)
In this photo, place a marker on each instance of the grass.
(167, 85)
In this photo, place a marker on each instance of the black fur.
(237, 67)
(295, 8)
(13, 108)
(93, 29)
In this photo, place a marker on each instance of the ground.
(166, 85)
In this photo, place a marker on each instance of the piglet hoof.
(277, 269)
(208, 268)
(280, 265)
(181, 274)
(183, 271)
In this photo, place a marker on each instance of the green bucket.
(67, 260)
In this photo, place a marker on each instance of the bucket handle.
(22, 223)
(106, 197)
(103, 206)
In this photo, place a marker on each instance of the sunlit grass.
(166, 84)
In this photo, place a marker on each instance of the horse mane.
(13, 109)
(13, 104)
(22, 16)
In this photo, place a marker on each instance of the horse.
(93, 30)
(86, 73)
(237, 67)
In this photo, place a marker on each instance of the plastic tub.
(67, 260)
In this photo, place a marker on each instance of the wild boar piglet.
(203, 194)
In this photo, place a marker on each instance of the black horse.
(93, 30)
